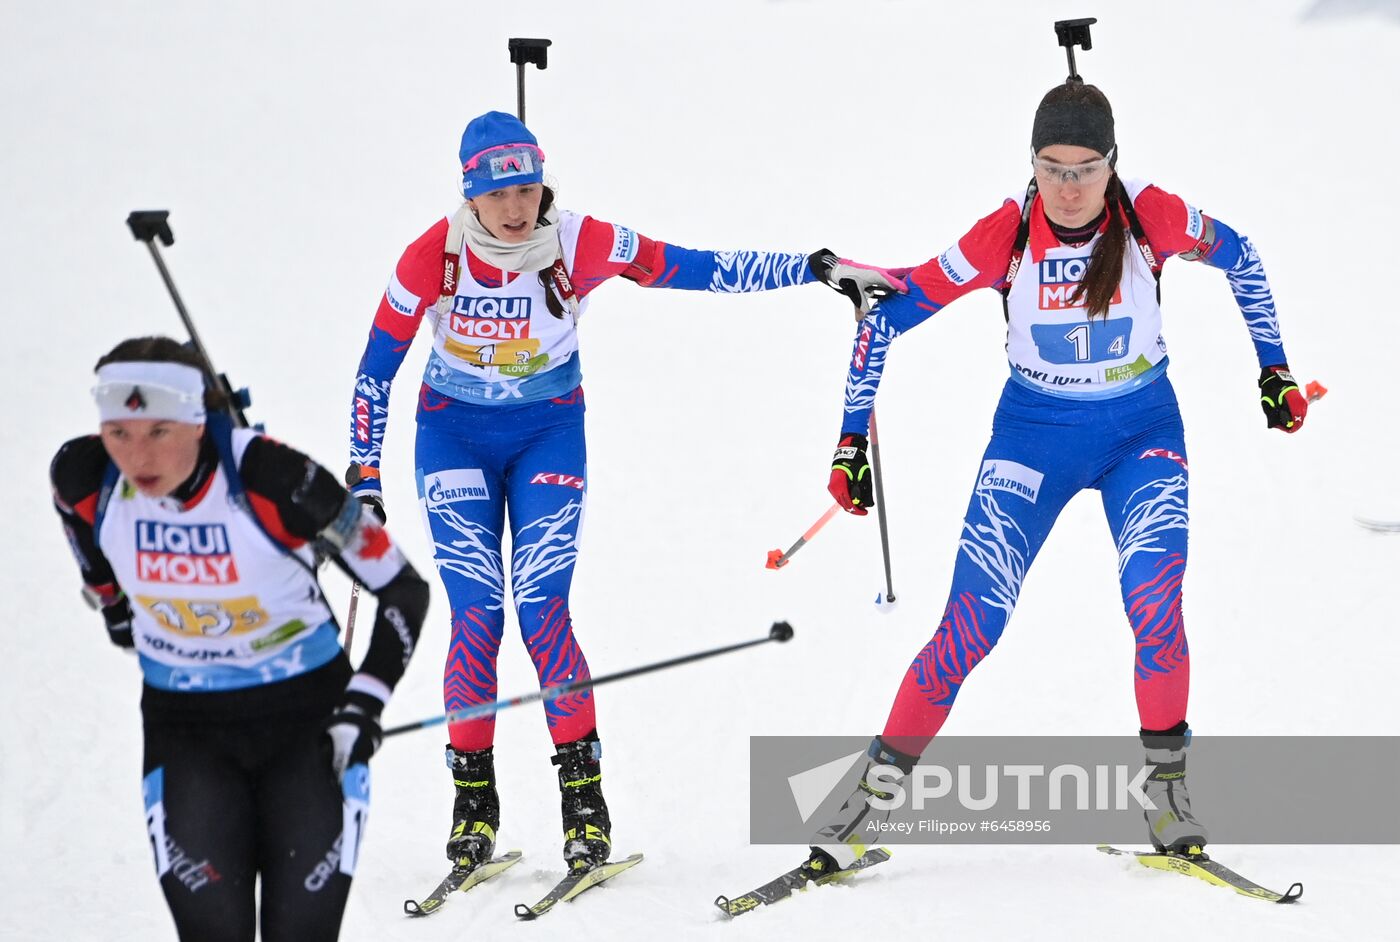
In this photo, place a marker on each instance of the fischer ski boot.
(845, 839)
(476, 809)
(1170, 825)
(587, 827)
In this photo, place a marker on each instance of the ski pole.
(350, 616)
(887, 601)
(525, 52)
(146, 226)
(781, 631)
(777, 559)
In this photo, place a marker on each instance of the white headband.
(150, 390)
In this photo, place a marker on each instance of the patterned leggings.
(476, 462)
(1044, 450)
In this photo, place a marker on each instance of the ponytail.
(1105, 269)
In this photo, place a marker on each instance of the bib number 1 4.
(1083, 343)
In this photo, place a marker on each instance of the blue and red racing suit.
(500, 429)
(1088, 405)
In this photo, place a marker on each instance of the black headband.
(1081, 123)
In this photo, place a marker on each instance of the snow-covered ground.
(301, 146)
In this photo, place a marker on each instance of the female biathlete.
(197, 541)
(1088, 405)
(503, 283)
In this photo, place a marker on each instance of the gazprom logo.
(1003, 475)
(448, 487)
(491, 307)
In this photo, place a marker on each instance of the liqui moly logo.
(509, 308)
(1060, 277)
(490, 328)
(862, 348)
(362, 421)
(564, 480)
(187, 554)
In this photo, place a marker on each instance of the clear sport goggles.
(1087, 173)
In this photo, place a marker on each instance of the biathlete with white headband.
(197, 541)
(503, 282)
(1088, 405)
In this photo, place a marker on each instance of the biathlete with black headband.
(198, 541)
(1088, 405)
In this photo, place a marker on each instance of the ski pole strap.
(1018, 248)
(1140, 236)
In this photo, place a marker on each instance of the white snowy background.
(301, 146)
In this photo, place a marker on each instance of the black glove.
(1283, 402)
(363, 482)
(353, 731)
(862, 284)
(850, 481)
(118, 618)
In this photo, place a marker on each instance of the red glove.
(850, 481)
(1284, 404)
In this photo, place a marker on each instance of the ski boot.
(476, 809)
(587, 828)
(1170, 825)
(845, 839)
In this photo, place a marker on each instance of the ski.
(797, 878)
(1200, 865)
(1380, 526)
(574, 884)
(460, 879)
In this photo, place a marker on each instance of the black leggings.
(232, 798)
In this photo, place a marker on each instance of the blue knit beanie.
(498, 151)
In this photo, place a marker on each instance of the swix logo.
(862, 348)
(449, 274)
(135, 402)
(362, 422)
(490, 328)
(188, 554)
(1165, 453)
(512, 308)
(1059, 277)
(550, 477)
